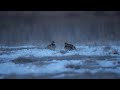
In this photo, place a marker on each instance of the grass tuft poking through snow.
(73, 66)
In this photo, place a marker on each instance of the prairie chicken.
(52, 46)
(69, 47)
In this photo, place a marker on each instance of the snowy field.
(86, 62)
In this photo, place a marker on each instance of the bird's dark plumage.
(69, 47)
(52, 46)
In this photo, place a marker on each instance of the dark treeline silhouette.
(42, 27)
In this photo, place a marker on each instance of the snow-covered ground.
(56, 66)
(81, 50)
(28, 46)
(59, 68)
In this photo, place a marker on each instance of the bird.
(69, 46)
(51, 46)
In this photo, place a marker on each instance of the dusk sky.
(35, 27)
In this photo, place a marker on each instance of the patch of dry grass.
(73, 66)
(24, 60)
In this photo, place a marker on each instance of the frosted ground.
(33, 62)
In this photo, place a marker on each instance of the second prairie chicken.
(69, 47)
